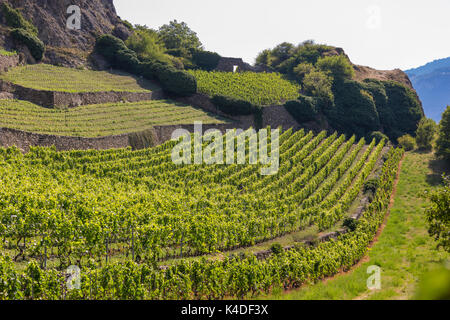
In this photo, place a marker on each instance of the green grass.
(98, 120)
(257, 88)
(404, 251)
(52, 78)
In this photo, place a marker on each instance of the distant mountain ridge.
(432, 83)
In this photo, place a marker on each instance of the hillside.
(63, 46)
(432, 83)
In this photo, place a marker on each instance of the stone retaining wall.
(73, 99)
(23, 140)
(7, 62)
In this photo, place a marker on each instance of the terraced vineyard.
(98, 120)
(118, 213)
(258, 88)
(52, 78)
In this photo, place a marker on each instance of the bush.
(378, 136)
(438, 215)
(14, 19)
(405, 107)
(176, 81)
(407, 142)
(33, 43)
(276, 248)
(304, 109)
(205, 60)
(443, 141)
(425, 133)
(234, 107)
(355, 111)
(350, 223)
(301, 70)
(339, 67)
(371, 185)
(172, 80)
(147, 45)
(318, 84)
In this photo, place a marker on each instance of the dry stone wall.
(7, 62)
(51, 99)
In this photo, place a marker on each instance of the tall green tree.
(178, 35)
(438, 215)
(443, 141)
(425, 133)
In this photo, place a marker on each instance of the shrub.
(318, 84)
(14, 19)
(438, 215)
(371, 185)
(443, 141)
(355, 111)
(276, 248)
(378, 136)
(405, 107)
(425, 133)
(339, 67)
(172, 80)
(232, 106)
(304, 109)
(301, 70)
(177, 82)
(350, 223)
(147, 45)
(407, 142)
(33, 43)
(205, 60)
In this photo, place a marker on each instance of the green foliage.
(405, 107)
(304, 109)
(33, 43)
(338, 66)
(407, 142)
(301, 70)
(232, 106)
(443, 141)
(205, 60)
(435, 285)
(14, 19)
(425, 133)
(177, 82)
(354, 110)
(378, 136)
(371, 185)
(147, 45)
(318, 84)
(178, 35)
(117, 53)
(351, 224)
(438, 215)
(257, 88)
(172, 80)
(277, 249)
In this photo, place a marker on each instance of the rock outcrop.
(65, 46)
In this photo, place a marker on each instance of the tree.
(147, 44)
(407, 142)
(177, 35)
(443, 141)
(425, 133)
(318, 84)
(302, 70)
(337, 66)
(438, 215)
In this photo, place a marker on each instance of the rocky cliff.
(65, 46)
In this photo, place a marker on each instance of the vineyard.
(131, 219)
(99, 120)
(257, 88)
(53, 78)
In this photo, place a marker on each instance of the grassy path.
(404, 251)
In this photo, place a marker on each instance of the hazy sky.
(384, 34)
